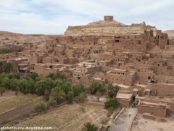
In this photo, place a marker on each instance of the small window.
(117, 41)
(149, 77)
(78, 77)
(51, 66)
(139, 42)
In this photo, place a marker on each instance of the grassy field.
(68, 117)
(10, 101)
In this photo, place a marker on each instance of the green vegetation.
(40, 107)
(70, 97)
(89, 127)
(111, 105)
(111, 90)
(82, 97)
(58, 95)
(100, 89)
(5, 67)
(55, 88)
(97, 87)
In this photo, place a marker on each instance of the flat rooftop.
(124, 96)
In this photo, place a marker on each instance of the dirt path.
(123, 123)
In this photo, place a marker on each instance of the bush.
(110, 111)
(77, 89)
(89, 127)
(46, 95)
(57, 75)
(82, 97)
(58, 95)
(26, 86)
(33, 76)
(96, 87)
(44, 84)
(40, 107)
(5, 67)
(111, 90)
(70, 97)
(52, 102)
(111, 104)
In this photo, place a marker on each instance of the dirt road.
(123, 123)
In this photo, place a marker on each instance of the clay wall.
(163, 89)
(160, 111)
(121, 77)
(103, 31)
(124, 103)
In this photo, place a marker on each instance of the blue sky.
(53, 16)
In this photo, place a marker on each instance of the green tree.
(13, 76)
(96, 87)
(57, 75)
(77, 89)
(5, 82)
(63, 85)
(111, 104)
(6, 67)
(58, 95)
(89, 127)
(13, 83)
(44, 84)
(70, 97)
(26, 86)
(33, 76)
(111, 90)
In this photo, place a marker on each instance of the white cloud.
(53, 16)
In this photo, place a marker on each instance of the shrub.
(90, 127)
(57, 75)
(70, 97)
(46, 95)
(111, 90)
(40, 107)
(96, 87)
(82, 97)
(44, 84)
(111, 104)
(58, 95)
(52, 102)
(77, 89)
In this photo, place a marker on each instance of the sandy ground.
(142, 124)
(68, 117)
(10, 101)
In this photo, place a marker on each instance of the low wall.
(154, 110)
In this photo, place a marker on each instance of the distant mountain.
(22, 38)
(170, 33)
